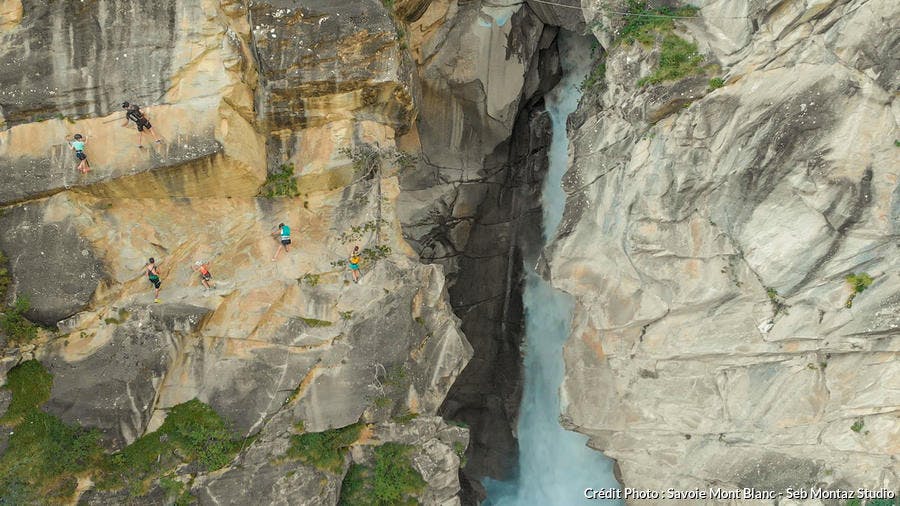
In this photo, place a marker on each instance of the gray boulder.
(51, 263)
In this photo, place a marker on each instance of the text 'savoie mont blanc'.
(739, 493)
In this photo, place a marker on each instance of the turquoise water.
(555, 465)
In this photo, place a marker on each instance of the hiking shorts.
(80, 155)
(144, 124)
(354, 267)
(285, 241)
(206, 277)
(155, 281)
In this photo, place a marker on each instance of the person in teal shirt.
(284, 232)
(77, 145)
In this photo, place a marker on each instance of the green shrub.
(192, 432)
(859, 282)
(642, 22)
(280, 183)
(30, 384)
(324, 450)
(716, 82)
(678, 58)
(392, 481)
(395, 478)
(43, 453)
(460, 449)
(857, 425)
(346, 315)
(14, 325)
(200, 433)
(176, 490)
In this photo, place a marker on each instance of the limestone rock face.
(110, 378)
(51, 264)
(707, 236)
(471, 205)
(321, 62)
(274, 344)
(76, 83)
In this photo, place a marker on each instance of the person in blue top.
(284, 232)
(77, 144)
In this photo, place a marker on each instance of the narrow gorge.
(604, 244)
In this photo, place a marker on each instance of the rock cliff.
(729, 238)
(721, 225)
(284, 99)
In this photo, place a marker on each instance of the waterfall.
(555, 465)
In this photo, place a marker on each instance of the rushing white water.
(555, 465)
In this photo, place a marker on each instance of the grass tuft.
(280, 183)
(859, 283)
(678, 58)
(43, 454)
(324, 450)
(392, 481)
(13, 324)
(312, 322)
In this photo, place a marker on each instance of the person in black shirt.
(133, 113)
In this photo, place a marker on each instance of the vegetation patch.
(30, 384)
(406, 417)
(346, 315)
(177, 491)
(678, 58)
(43, 454)
(858, 425)
(460, 449)
(716, 82)
(310, 279)
(324, 450)
(192, 432)
(643, 22)
(280, 183)
(778, 304)
(312, 322)
(391, 481)
(594, 79)
(13, 324)
(5, 277)
(859, 283)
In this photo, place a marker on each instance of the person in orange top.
(354, 264)
(205, 276)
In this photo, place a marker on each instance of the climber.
(285, 233)
(354, 264)
(205, 275)
(152, 269)
(133, 113)
(77, 145)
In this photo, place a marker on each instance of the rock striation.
(709, 233)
